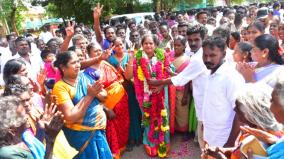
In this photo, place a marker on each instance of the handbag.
(115, 92)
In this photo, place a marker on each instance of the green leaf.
(147, 104)
(138, 56)
(160, 54)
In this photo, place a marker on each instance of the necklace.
(69, 83)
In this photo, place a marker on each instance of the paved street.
(179, 150)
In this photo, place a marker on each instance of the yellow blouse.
(64, 92)
(62, 149)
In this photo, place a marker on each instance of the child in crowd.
(52, 73)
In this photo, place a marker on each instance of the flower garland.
(155, 114)
(149, 69)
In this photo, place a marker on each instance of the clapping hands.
(247, 70)
(95, 89)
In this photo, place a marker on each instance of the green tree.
(81, 10)
(11, 11)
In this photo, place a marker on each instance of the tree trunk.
(13, 20)
(156, 5)
(228, 2)
(130, 7)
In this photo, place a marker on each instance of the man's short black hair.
(108, 27)
(215, 41)
(131, 22)
(20, 39)
(182, 24)
(201, 12)
(197, 29)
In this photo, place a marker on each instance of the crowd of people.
(214, 74)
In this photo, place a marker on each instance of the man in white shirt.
(224, 32)
(46, 35)
(195, 36)
(202, 18)
(33, 62)
(195, 71)
(220, 95)
(5, 55)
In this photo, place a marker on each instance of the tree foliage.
(81, 10)
(11, 11)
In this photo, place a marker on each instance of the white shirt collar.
(17, 55)
(199, 51)
(221, 69)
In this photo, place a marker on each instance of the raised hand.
(35, 86)
(49, 98)
(131, 52)
(41, 76)
(70, 29)
(260, 134)
(54, 126)
(97, 11)
(107, 53)
(49, 112)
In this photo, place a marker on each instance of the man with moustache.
(109, 31)
(214, 93)
(195, 36)
(196, 72)
(135, 40)
(182, 28)
(220, 126)
(33, 62)
(202, 18)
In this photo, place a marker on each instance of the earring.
(264, 56)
